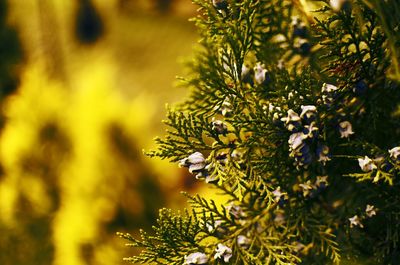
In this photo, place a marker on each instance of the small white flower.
(276, 116)
(211, 178)
(306, 187)
(223, 252)
(211, 228)
(366, 164)
(323, 154)
(328, 88)
(296, 140)
(308, 111)
(196, 258)
(337, 5)
(378, 161)
(247, 74)
(281, 64)
(273, 110)
(328, 92)
(195, 162)
(278, 194)
(291, 120)
(271, 107)
(310, 131)
(322, 181)
(291, 116)
(345, 129)
(355, 221)
(296, 21)
(260, 74)
(219, 126)
(243, 241)
(245, 70)
(370, 210)
(202, 174)
(235, 211)
(291, 127)
(205, 174)
(395, 153)
(279, 38)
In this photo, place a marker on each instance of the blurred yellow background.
(93, 80)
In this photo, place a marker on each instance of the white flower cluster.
(223, 253)
(329, 93)
(368, 165)
(195, 162)
(313, 189)
(197, 165)
(258, 75)
(292, 120)
(305, 133)
(370, 211)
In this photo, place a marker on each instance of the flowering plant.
(295, 117)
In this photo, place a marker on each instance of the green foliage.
(388, 14)
(175, 235)
(282, 108)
